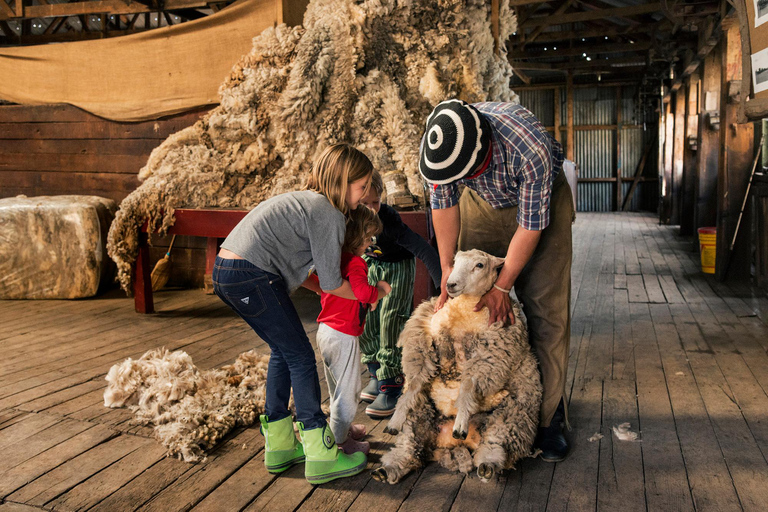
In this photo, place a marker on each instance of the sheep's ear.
(497, 262)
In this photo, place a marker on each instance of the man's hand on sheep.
(499, 307)
(443, 289)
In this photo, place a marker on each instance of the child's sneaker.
(384, 404)
(371, 391)
(352, 445)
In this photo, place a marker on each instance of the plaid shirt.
(524, 164)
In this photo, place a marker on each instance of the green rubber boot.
(324, 460)
(281, 448)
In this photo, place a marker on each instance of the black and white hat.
(456, 142)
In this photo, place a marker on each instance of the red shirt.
(346, 315)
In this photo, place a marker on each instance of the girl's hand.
(384, 287)
(373, 305)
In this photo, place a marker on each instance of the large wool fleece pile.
(367, 73)
(190, 410)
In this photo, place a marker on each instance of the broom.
(162, 270)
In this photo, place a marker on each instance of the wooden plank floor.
(655, 343)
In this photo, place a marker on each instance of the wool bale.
(54, 247)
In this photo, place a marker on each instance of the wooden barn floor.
(655, 343)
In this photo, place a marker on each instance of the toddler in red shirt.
(341, 321)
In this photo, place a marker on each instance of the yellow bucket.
(707, 248)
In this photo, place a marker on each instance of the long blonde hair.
(337, 167)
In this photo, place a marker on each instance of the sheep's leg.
(415, 395)
(412, 445)
(478, 381)
(410, 401)
(511, 428)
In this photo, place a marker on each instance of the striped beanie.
(456, 143)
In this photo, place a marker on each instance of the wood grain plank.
(711, 483)
(46, 461)
(653, 289)
(666, 484)
(620, 483)
(636, 288)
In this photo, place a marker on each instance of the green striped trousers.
(378, 342)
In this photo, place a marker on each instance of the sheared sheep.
(191, 410)
(473, 392)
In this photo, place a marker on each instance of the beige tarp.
(141, 76)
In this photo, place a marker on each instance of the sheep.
(191, 411)
(473, 391)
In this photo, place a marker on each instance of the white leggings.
(341, 358)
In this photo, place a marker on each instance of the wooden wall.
(55, 150)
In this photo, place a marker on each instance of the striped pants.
(378, 342)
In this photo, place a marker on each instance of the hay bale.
(54, 247)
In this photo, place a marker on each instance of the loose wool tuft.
(191, 411)
(366, 73)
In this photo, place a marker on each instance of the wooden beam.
(517, 3)
(639, 33)
(638, 172)
(634, 10)
(588, 49)
(98, 7)
(551, 20)
(5, 11)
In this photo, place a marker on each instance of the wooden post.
(690, 148)
(677, 156)
(705, 179)
(558, 116)
(735, 164)
(569, 129)
(619, 185)
(668, 152)
(142, 280)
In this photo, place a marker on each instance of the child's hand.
(384, 287)
(373, 306)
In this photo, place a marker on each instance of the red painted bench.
(215, 225)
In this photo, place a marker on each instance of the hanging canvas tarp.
(140, 76)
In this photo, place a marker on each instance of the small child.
(395, 264)
(341, 322)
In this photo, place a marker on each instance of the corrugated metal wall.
(595, 149)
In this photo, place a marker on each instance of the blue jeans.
(262, 300)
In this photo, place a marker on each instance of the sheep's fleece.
(473, 391)
(191, 410)
(363, 72)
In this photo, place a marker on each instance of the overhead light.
(606, 38)
(583, 39)
(554, 47)
(545, 48)
(589, 58)
(583, 54)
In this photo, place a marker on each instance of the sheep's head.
(474, 273)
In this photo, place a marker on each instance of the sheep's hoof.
(391, 431)
(380, 474)
(485, 471)
(459, 434)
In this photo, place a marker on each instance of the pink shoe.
(357, 431)
(351, 446)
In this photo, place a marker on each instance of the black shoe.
(551, 441)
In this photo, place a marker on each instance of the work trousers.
(383, 326)
(544, 285)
